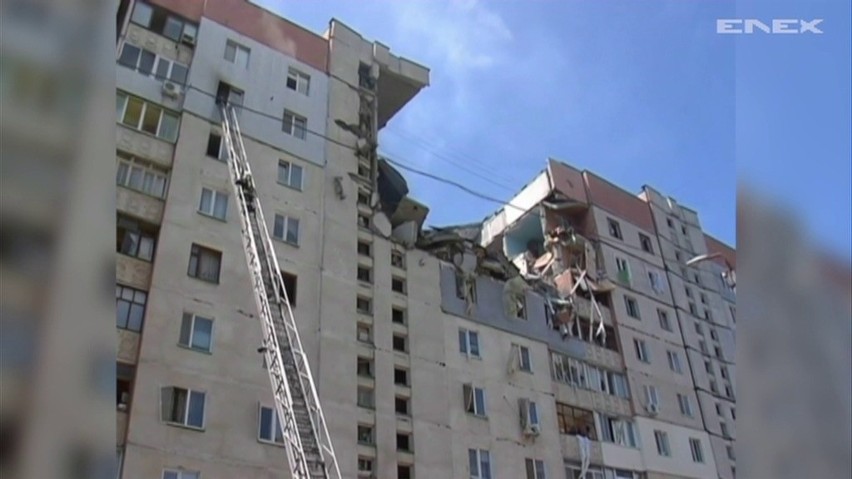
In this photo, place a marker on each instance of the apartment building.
(436, 353)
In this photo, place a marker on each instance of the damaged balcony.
(399, 80)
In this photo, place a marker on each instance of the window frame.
(661, 438)
(475, 402)
(685, 405)
(665, 322)
(631, 307)
(289, 166)
(536, 467)
(614, 229)
(143, 113)
(191, 318)
(286, 224)
(196, 253)
(236, 48)
(186, 407)
(465, 343)
(674, 361)
(299, 79)
(696, 450)
(292, 125)
(275, 428)
(146, 169)
(641, 348)
(481, 458)
(120, 289)
(216, 197)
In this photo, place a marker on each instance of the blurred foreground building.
(563, 335)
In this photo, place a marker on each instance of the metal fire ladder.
(306, 438)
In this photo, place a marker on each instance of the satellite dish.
(382, 224)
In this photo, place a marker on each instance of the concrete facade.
(366, 337)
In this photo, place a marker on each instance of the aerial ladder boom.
(306, 439)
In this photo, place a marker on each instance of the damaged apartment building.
(553, 339)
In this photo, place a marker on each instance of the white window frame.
(685, 405)
(155, 67)
(536, 466)
(696, 450)
(191, 317)
(216, 197)
(366, 460)
(170, 473)
(138, 126)
(476, 394)
(628, 300)
(146, 169)
(482, 457)
(237, 49)
(641, 348)
(185, 421)
(287, 222)
(275, 427)
(524, 352)
(302, 81)
(652, 395)
(661, 439)
(289, 165)
(292, 128)
(465, 343)
(665, 321)
(674, 361)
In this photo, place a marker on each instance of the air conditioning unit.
(171, 89)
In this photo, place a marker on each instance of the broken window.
(656, 281)
(397, 315)
(397, 259)
(401, 405)
(573, 421)
(364, 248)
(365, 367)
(400, 343)
(398, 285)
(462, 285)
(614, 228)
(521, 310)
(227, 94)
(645, 241)
(365, 274)
(182, 406)
(365, 434)
(632, 307)
(216, 147)
(474, 400)
(403, 442)
(161, 21)
(364, 305)
(290, 282)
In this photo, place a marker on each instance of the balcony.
(139, 205)
(571, 449)
(128, 346)
(155, 150)
(158, 44)
(594, 400)
(132, 272)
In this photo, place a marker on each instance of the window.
(623, 268)
(656, 282)
(363, 221)
(216, 147)
(158, 20)
(713, 335)
(398, 285)
(365, 367)
(718, 351)
(286, 228)
(365, 274)
(141, 176)
(196, 332)
(150, 64)
(730, 451)
(652, 396)
(403, 471)
(469, 342)
(724, 429)
(719, 409)
(684, 404)
(693, 309)
(683, 229)
(204, 263)
(147, 117)
(698, 329)
(398, 259)
(573, 421)
(135, 240)
(365, 397)
(365, 466)
(474, 400)
(619, 431)
(576, 373)
(213, 203)
(182, 406)
(733, 311)
(480, 463)
(702, 345)
(290, 174)
(723, 370)
(574, 471)
(237, 54)
(645, 241)
(670, 222)
(733, 414)
(401, 405)
(226, 93)
(364, 333)
(364, 248)
(713, 387)
(695, 447)
(364, 305)
(298, 81)
(688, 291)
(641, 351)
(632, 307)
(535, 469)
(524, 361)
(614, 228)
(665, 324)
(268, 426)
(707, 315)
(129, 308)
(400, 376)
(182, 473)
(295, 125)
(674, 361)
(397, 315)
(363, 197)
(400, 343)
(124, 374)
(403, 442)
(662, 440)
(290, 282)
(728, 391)
(365, 434)
(703, 297)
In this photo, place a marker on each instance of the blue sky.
(639, 92)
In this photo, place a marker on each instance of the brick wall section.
(258, 24)
(618, 202)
